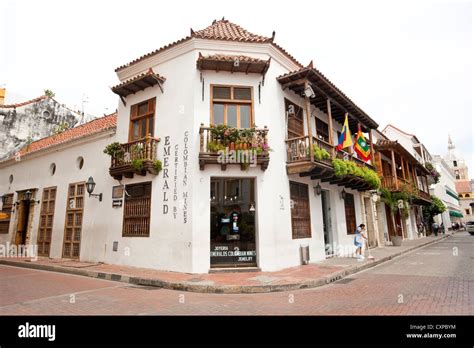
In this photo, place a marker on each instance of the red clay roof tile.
(218, 30)
(24, 103)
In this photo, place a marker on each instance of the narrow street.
(436, 279)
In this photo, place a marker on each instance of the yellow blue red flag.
(345, 139)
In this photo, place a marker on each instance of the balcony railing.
(246, 153)
(392, 183)
(136, 157)
(424, 195)
(298, 150)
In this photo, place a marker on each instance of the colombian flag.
(361, 147)
(345, 139)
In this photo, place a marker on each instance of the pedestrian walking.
(435, 228)
(359, 239)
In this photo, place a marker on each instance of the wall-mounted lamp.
(309, 93)
(374, 195)
(90, 186)
(27, 197)
(343, 194)
(4, 200)
(317, 189)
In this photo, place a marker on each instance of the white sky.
(405, 63)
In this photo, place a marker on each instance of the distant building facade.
(464, 185)
(25, 122)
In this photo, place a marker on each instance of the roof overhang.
(393, 145)
(324, 90)
(138, 83)
(233, 63)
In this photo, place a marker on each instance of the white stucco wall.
(177, 243)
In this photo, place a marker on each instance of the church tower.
(456, 162)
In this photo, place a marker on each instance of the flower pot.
(232, 146)
(396, 240)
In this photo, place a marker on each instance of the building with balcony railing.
(404, 178)
(223, 156)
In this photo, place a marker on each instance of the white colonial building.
(464, 185)
(170, 199)
(445, 190)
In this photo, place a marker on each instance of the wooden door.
(46, 221)
(300, 210)
(73, 223)
(398, 223)
(22, 217)
(350, 213)
(391, 227)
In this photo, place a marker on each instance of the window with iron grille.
(136, 213)
(7, 209)
(300, 213)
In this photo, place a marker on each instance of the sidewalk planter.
(396, 240)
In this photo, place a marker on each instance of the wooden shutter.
(45, 227)
(300, 211)
(136, 213)
(73, 223)
(6, 208)
(350, 213)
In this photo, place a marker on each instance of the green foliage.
(137, 164)
(214, 146)
(49, 93)
(319, 153)
(436, 207)
(343, 168)
(114, 150)
(223, 136)
(61, 128)
(391, 200)
(137, 149)
(157, 165)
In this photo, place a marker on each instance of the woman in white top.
(359, 238)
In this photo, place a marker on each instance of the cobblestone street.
(436, 279)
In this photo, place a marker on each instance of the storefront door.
(233, 223)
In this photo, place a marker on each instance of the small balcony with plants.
(223, 145)
(136, 157)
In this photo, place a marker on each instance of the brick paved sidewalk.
(308, 276)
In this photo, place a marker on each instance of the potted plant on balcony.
(115, 151)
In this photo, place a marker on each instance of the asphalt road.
(436, 279)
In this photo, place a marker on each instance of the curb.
(218, 289)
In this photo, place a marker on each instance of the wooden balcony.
(245, 154)
(300, 161)
(424, 195)
(398, 184)
(299, 155)
(136, 157)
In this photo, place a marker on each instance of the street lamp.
(90, 186)
(317, 189)
(309, 93)
(4, 200)
(374, 195)
(343, 194)
(27, 197)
